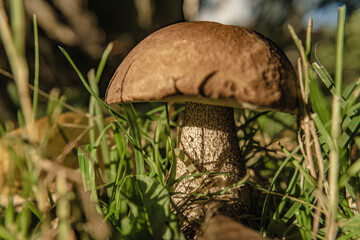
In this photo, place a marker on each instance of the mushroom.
(212, 68)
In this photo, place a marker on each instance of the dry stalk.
(20, 71)
(312, 144)
(320, 182)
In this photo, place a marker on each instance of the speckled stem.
(209, 139)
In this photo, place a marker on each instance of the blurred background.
(85, 27)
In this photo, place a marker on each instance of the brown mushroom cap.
(207, 62)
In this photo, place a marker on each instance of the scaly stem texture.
(209, 140)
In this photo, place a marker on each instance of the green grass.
(126, 171)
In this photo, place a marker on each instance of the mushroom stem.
(209, 140)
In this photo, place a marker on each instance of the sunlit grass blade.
(350, 129)
(109, 169)
(112, 111)
(121, 147)
(157, 155)
(5, 234)
(172, 174)
(18, 25)
(103, 61)
(318, 102)
(272, 184)
(86, 168)
(305, 174)
(351, 171)
(289, 215)
(352, 97)
(95, 106)
(336, 131)
(132, 121)
(36, 71)
(324, 134)
(324, 76)
(95, 147)
(24, 218)
(278, 215)
(303, 220)
(9, 213)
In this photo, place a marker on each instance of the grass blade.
(103, 61)
(109, 169)
(336, 131)
(110, 109)
(139, 157)
(36, 73)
